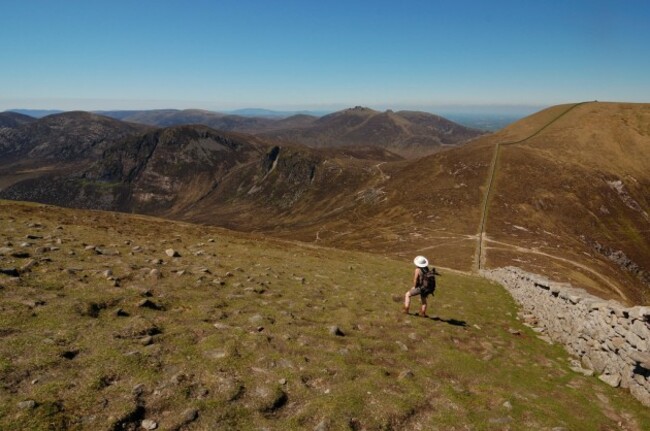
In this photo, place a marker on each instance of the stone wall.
(608, 338)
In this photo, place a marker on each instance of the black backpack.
(428, 280)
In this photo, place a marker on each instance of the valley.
(565, 197)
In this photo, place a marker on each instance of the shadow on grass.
(450, 321)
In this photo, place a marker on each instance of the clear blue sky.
(277, 54)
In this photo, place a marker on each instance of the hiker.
(424, 284)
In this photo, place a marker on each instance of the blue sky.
(74, 54)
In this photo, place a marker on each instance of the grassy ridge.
(241, 338)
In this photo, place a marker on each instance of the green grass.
(275, 340)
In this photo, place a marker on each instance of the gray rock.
(6, 251)
(107, 251)
(268, 398)
(640, 329)
(335, 330)
(582, 371)
(402, 346)
(138, 389)
(640, 393)
(189, 415)
(613, 380)
(149, 424)
(641, 358)
(147, 303)
(172, 253)
(27, 405)
(406, 374)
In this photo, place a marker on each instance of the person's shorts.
(419, 291)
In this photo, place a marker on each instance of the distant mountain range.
(267, 113)
(567, 189)
(408, 133)
(476, 120)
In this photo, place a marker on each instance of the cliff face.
(609, 339)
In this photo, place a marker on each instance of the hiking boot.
(405, 310)
(423, 314)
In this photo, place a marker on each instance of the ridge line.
(479, 258)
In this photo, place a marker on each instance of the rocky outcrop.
(610, 339)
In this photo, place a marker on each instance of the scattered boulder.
(107, 251)
(70, 354)
(90, 309)
(268, 399)
(406, 374)
(172, 253)
(27, 405)
(335, 330)
(189, 415)
(149, 424)
(121, 313)
(613, 380)
(147, 303)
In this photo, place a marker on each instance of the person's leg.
(407, 298)
(407, 301)
(423, 307)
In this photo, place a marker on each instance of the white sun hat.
(421, 262)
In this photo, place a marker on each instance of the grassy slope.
(272, 363)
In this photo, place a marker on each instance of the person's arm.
(416, 276)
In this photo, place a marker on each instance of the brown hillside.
(567, 194)
(578, 191)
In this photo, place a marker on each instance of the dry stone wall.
(608, 338)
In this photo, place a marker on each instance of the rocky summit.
(112, 321)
